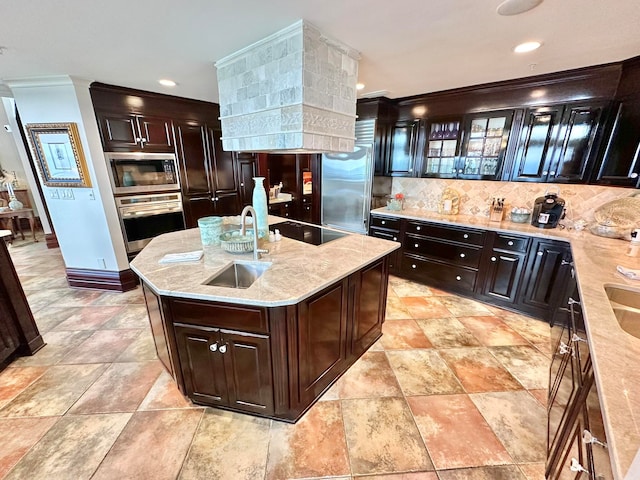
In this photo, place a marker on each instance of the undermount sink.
(625, 302)
(238, 274)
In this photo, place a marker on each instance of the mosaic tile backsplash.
(476, 195)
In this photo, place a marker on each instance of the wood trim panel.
(52, 240)
(102, 279)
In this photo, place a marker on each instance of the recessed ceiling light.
(359, 86)
(165, 82)
(516, 7)
(527, 47)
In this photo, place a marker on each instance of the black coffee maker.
(547, 210)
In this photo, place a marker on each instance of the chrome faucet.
(243, 231)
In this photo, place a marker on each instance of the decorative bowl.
(520, 217)
(233, 242)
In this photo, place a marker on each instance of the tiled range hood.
(294, 92)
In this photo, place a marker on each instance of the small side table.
(14, 217)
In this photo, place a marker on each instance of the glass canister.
(210, 230)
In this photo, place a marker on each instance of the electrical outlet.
(54, 194)
(68, 194)
(92, 195)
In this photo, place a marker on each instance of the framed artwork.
(58, 154)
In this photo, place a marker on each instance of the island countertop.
(615, 353)
(298, 270)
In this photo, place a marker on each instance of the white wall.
(86, 226)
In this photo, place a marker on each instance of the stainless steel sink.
(238, 274)
(625, 302)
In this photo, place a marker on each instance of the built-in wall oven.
(143, 217)
(146, 187)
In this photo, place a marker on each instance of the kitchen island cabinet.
(274, 348)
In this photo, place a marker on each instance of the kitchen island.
(614, 353)
(273, 348)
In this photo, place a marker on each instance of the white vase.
(259, 201)
(14, 203)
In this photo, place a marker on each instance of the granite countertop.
(615, 353)
(298, 270)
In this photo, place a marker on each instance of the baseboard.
(102, 279)
(52, 240)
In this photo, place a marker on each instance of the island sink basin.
(625, 302)
(238, 274)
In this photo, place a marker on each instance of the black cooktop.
(307, 233)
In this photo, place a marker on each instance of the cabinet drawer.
(511, 243)
(386, 234)
(452, 253)
(385, 222)
(224, 316)
(462, 235)
(438, 274)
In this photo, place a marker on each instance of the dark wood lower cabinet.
(273, 362)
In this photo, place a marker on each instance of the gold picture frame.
(58, 154)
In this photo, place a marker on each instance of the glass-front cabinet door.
(486, 137)
(441, 149)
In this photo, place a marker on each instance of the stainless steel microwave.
(138, 172)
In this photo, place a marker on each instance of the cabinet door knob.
(552, 173)
(413, 266)
(462, 255)
(633, 175)
(418, 228)
(461, 171)
(458, 277)
(545, 172)
(416, 245)
(466, 235)
(493, 259)
(576, 467)
(383, 222)
(588, 438)
(510, 243)
(223, 349)
(539, 254)
(395, 239)
(213, 347)
(242, 184)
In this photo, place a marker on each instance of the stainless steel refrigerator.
(346, 188)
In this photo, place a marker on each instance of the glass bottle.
(259, 200)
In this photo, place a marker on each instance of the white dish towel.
(181, 257)
(629, 273)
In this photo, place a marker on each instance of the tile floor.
(453, 390)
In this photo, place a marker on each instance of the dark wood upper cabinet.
(223, 165)
(191, 147)
(621, 158)
(442, 147)
(247, 170)
(404, 149)
(535, 147)
(122, 132)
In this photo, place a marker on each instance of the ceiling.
(408, 48)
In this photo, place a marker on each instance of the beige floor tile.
(533, 471)
(403, 335)
(423, 372)
(313, 447)
(57, 346)
(460, 306)
(370, 376)
(382, 437)
(518, 420)
(164, 394)
(507, 472)
(82, 318)
(425, 307)
(142, 349)
(240, 441)
(167, 432)
(102, 346)
(19, 435)
(72, 449)
(490, 330)
(14, 380)
(447, 333)
(396, 309)
(525, 363)
(134, 316)
(401, 476)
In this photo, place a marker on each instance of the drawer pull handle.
(383, 222)
(493, 259)
(510, 243)
(413, 266)
(466, 235)
(462, 255)
(458, 277)
(213, 347)
(588, 438)
(564, 262)
(633, 175)
(576, 338)
(563, 349)
(418, 228)
(223, 349)
(395, 239)
(576, 467)
(417, 245)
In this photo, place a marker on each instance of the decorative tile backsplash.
(476, 195)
